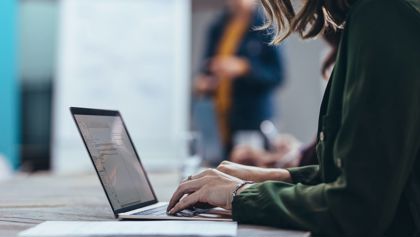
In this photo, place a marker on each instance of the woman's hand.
(209, 187)
(255, 174)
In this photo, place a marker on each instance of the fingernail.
(171, 211)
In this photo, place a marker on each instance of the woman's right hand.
(255, 174)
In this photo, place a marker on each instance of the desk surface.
(26, 201)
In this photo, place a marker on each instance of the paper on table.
(127, 228)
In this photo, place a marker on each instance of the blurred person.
(241, 71)
(288, 151)
(367, 182)
(282, 153)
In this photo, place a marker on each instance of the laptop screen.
(115, 160)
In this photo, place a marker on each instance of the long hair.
(309, 21)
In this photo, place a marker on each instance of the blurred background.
(144, 57)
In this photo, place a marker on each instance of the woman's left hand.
(210, 186)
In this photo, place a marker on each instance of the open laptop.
(121, 173)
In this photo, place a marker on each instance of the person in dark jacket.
(241, 70)
(367, 181)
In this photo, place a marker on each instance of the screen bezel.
(100, 112)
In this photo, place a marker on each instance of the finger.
(185, 188)
(186, 202)
(206, 172)
(224, 168)
(226, 162)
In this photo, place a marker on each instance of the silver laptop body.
(121, 173)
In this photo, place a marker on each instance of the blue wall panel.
(9, 105)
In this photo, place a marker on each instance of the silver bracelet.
(239, 186)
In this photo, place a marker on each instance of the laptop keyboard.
(157, 211)
(161, 211)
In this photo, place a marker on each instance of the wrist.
(244, 188)
(278, 174)
(238, 188)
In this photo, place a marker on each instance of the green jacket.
(368, 179)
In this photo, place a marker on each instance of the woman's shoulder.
(383, 19)
(365, 11)
(382, 34)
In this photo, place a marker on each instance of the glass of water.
(192, 162)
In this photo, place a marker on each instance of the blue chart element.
(9, 106)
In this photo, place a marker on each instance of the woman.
(368, 179)
(241, 72)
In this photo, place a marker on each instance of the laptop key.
(158, 211)
(161, 211)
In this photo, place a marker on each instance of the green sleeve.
(306, 175)
(377, 142)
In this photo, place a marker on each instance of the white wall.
(126, 55)
(300, 98)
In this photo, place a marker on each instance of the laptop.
(121, 172)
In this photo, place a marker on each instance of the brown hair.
(310, 21)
